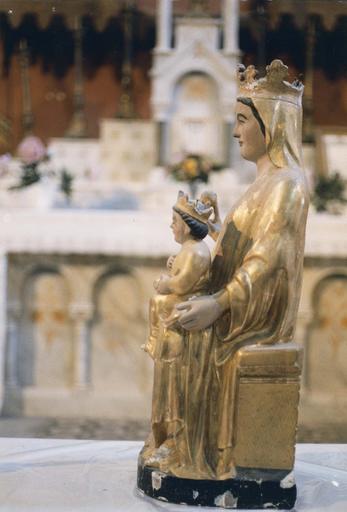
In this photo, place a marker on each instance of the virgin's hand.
(199, 313)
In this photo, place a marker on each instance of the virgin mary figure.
(256, 273)
(258, 257)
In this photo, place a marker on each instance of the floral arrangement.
(34, 167)
(193, 168)
(328, 194)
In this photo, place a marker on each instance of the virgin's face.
(179, 228)
(248, 132)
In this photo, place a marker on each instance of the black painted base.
(250, 489)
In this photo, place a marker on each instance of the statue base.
(250, 489)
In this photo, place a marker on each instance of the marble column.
(3, 299)
(161, 143)
(231, 26)
(13, 318)
(80, 314)
(164, 25)
(228, 143)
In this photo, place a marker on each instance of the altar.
(63, 276)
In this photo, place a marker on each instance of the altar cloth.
(50, 475)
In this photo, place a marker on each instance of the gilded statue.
(235, 383)
(187, 276)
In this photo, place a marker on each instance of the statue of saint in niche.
(240, 368)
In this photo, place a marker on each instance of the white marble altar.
(72, 282)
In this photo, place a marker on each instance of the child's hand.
(162, 284)
(169, 262)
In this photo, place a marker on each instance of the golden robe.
(258, 260)
(172, 349)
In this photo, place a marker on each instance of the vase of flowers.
(37, 175)
(193, 169)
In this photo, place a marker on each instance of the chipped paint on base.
(288, 481)
(156, 480)
(226, 500)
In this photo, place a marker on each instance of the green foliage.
(66, 183)
(328, 195)
(30, 175)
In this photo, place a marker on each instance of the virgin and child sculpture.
(226, 369)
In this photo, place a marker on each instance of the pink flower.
(4, 163)
(31, 149)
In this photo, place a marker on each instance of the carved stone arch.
(196, 117)
(118, 330)
(196, 59)
(45, 352)
(325, 278)
(177, 79)
(326, 339)
(100, 280)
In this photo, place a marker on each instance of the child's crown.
(196, 209)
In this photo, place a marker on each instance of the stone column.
(231, 26)
(228, 143)
(164, 25)
(3, 299)
(81, 313)
(161, 143)
(13, 317)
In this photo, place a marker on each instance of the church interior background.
(119, 94)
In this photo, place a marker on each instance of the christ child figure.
(187, 276)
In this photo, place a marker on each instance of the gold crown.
(273, 86)
(196, 209)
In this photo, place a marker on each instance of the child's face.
(179, 228)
